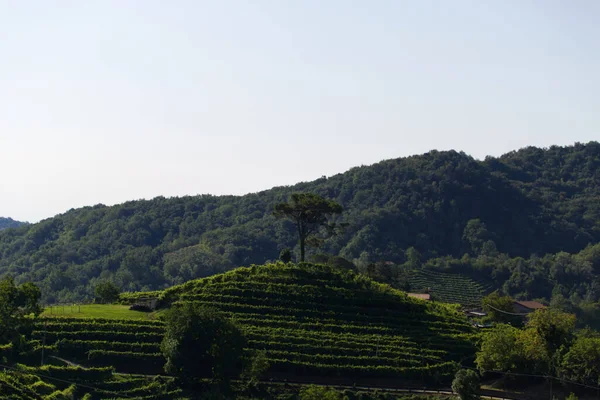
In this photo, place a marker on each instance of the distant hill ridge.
(530, 201)
(9, 223)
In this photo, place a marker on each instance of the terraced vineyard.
(313, 322)
(447, 288)
(94, 349)
(318, 321)
(64, 382)
(132, 346)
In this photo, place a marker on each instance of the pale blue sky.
(106, 101)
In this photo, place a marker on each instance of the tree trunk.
(302, 249)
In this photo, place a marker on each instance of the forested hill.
(9, 223)
(531, 201)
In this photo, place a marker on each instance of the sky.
(113, 100)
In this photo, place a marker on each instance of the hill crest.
(6, 223)
(533, 201)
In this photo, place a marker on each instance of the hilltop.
(9, 223)
(315, 323)
(531, 201)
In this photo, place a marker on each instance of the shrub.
(466, 384)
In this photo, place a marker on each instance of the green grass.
(112, 311)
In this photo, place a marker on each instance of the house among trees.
(526, 307)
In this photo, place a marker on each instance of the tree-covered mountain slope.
(312, 321)
(9, 223)
(532, 201)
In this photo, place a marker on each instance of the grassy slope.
(111, 311)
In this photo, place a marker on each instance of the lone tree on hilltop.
(310, 213)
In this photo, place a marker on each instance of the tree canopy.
(310, 213)
(513, 215)
(466, 384)
(17, 303)
(9, 223)
(198, 343)
(107, 292)
(537, 348)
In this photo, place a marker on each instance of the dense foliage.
(17, 305)
(106, 292)
(9, 223)
(466, 384)
(529, 202)
(199, 343)
(548, 345)
(567, 282)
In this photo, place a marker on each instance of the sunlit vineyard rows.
(310, 321)
(321, 321)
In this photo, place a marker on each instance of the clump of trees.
(201, 345)
(106, 292)
(18, 306)
(547, 345)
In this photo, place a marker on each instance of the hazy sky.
(107, 101)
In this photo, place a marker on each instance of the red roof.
(422, 296)
(533, 305)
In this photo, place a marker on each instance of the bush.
(319, 393)
(466, 384)
(107, 292)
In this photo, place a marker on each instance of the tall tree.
(310, 212)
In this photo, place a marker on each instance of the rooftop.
(534, 305)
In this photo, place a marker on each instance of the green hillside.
(6, 223)
(314, 322)
(532, 201)
(325, 321)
